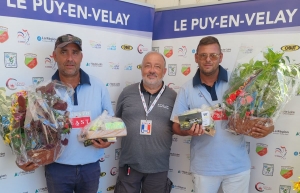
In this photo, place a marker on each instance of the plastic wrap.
(104, 127)
(39, 123)
(259, 88)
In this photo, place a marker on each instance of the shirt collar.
(144, 90)
(221, 76)
(84, 77)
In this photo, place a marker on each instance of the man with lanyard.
(146, 108)
(221, 160)
(77, 169)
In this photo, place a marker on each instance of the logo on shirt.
(172, 69)
(185, 69)
(268, 169)
(163, 106)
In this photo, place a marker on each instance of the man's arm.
(195, 130)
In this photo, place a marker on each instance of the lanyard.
(154, 102)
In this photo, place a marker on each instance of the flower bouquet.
(105, 127)
(258, 90)
(297, 186)
(38, 124)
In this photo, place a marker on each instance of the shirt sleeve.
(181, 104)
(106, 102)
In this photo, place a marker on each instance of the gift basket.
(259, 87)
(37, 126)
(103, 127)
(201, 116)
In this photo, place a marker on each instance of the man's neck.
(152, 88)
(73, 81)
(209, 80)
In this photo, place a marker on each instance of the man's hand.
(99, 143)
(260, 131)
(195, 130)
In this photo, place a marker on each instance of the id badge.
(146, 127)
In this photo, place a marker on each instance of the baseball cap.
(66, 39)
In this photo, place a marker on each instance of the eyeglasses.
(212, 57)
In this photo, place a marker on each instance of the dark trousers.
(68, 178)
(138, 182)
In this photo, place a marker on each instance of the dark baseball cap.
(66, 39)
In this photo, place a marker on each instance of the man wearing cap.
(77, 169)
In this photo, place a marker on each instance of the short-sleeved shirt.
(223, 154)
(91, 98)
(146, 154)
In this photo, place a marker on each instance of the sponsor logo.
(163, 106)
(284, 189)
(182, 51)
(37, 80)
(226, 50)
(113, 102)
(23, 37)
(3, 176)
(50, 62)
(117, 153)
(260, 187)
(179, 187)
(45, 39)
(173, 86)
(110, 188)
(188, 156)
(3, 34)
(113, 84)
(139, 66)
(290, 48)
(102, 159)
(155, 49)
(261, 149)
(30, 60)
(268, 169)
(2, 154)
(187, 140)
(286, 171)
(185, 69)
(194, 51)
(281, 152)
(172, 69)
(106, 155)
(298, 134)
(252, 167)
(141, 49)
(288, 112)
(170, 170)
(128, 67)
(99, 191)
(281, 132)
(10, 60)
(94, 64)
(114, 66)
(22, 173)
(175, 154)
(112, 46)
(114, 171)
(296, 153)
(102, 174)
(168, 51)
(175, 139)
(12, 84)
(95, 44)
(246, 49)
(41, 190)
(126, 47)
(184, 172)
(248, 146)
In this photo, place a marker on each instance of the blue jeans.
(72, 178)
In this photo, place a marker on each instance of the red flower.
(238, 92)
(229, 101)
(232, 97)
(248, 113)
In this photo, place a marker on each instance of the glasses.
(212, 57)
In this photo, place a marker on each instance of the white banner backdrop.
(114, 44)
(275, 158)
